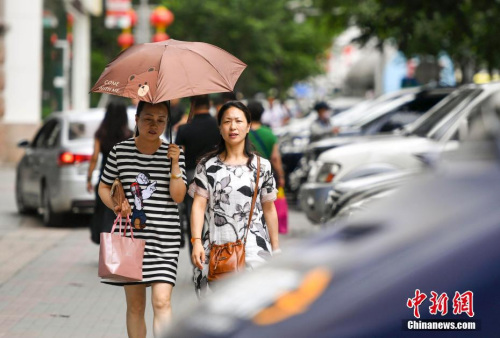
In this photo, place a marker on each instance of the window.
(42, 138)
(441, 111)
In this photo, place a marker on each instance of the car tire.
(21, 206)
(49, 217)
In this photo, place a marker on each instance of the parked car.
(51, 176)
(383, 115)
(357, 195)
(380, 121)
(440, 129)
(439, 234)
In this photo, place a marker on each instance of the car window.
(429, 121)
(441, 131)
(78, 130)
(54, 136)
(43, 135)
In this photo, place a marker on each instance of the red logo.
(415, 302)
(462, 303)
(439, 304)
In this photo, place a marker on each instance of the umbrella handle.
(169, 125)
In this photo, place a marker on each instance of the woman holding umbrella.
(223, 188)
(153, 176)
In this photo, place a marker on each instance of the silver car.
(51, 176)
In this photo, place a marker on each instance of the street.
(48, 276)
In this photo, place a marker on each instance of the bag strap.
(115, 223)
(254, 198)
(128, 222)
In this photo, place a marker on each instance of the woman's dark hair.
(140, 108)
(256, 109)
(221, 147)
(114, 127)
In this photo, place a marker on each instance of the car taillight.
(67, 158)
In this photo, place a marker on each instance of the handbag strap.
(128, 222)
(254, 198)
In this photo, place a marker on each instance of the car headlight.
(327, 172)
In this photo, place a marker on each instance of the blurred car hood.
(439, 233)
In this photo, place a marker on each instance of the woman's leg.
(136, 306)
(160, 297)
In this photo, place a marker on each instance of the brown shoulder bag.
(230, 257)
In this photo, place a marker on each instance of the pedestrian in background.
(222, 191)
(276, 114)
(222, 98)
(152, 173)
(112, 130)
(322, 127)
(265, 142)
(197, 137)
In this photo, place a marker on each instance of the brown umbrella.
(161, 71)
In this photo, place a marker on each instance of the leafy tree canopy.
(465, 29)
(262, 33)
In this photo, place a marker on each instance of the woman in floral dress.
(222, 189)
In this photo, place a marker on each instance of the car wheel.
(50, 218)
(21, 206)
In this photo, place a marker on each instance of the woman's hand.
(90, 188)
(198, 255)
(173, 152)
(124, 208)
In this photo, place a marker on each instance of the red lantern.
(53, 38)
(161, 36)
(70, 19)
(133, 17)
(125, 40)
(161, 17)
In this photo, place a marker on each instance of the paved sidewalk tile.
(58, 294)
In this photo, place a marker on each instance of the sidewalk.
(59, 294)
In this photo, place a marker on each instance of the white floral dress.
(229, 190)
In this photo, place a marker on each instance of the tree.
(465, 29)
(262, 33)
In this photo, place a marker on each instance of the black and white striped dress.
(146, 181)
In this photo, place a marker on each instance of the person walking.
(153, 176)
(322, 127)
(265, 142)
(112, 130)
(197, 137)
(222, 190)
(276, 114)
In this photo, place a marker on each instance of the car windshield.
(428, 121)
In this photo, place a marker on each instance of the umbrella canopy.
(161, 71)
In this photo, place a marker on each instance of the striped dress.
(146, 180)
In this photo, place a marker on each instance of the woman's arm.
(271, 217)
(92, 164)
(105, 195)
(177, 185)
(197, 218)
(276, 163)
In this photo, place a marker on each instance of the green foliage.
(104, 48)
(465, 29)
(262, 33)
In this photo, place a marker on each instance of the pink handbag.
(282, 209)
(120, 257)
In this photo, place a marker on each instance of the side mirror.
(23, 144)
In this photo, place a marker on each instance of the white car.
(440, 129)
(52, 175)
